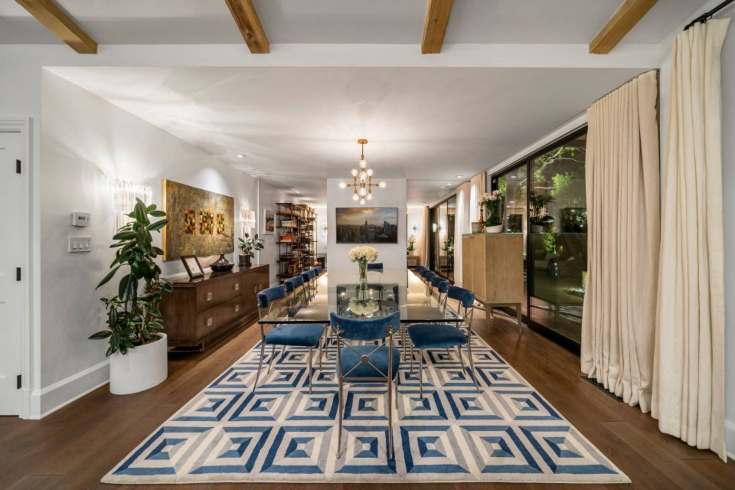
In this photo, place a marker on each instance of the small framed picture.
(193, 267)
(269, 222)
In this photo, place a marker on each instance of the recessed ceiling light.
(459, 176)
(449, 183)
(240, 155)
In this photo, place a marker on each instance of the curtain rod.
(708, 15)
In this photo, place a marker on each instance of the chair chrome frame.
(467, 314)
(387, 378)
(262, 313)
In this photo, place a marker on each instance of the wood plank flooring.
(75, 446)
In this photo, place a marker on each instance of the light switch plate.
(79, 244)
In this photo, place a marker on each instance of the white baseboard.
(730, 438)
(58, 395)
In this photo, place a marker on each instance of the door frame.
(30, 274)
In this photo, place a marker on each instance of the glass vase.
(362, 264)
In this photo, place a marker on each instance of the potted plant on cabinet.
(411, 245)
(138, 348)
(492, 202)
(248, 248)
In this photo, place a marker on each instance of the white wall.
(393, 256)
(87, 143)
(321, 237)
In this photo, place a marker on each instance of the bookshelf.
(296, 228)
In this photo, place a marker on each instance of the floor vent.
(600, 387)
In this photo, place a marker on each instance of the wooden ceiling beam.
(623, 20)
(435, 25)
(248, 22)
(59, 23)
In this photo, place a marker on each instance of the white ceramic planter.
(494, 229)
(140, 369)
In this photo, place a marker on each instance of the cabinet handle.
(255, 289)
(237, 286)
(209, 296)
(209, 322)
(260, 287)
(237, 308)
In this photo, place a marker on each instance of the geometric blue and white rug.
(506, 433)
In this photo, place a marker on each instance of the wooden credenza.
(492, 267)
(200, 312)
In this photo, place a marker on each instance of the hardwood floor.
(75, 446)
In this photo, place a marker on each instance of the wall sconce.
(434, 227)
(414, 228)
(124, 194)
(325, 228)
(248, 219)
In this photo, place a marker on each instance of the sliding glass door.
(545, 200)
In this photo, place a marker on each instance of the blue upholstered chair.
(319, 269)
(428, 277)
(293, 334)
(375, 362)
(435, 336)
(294, 285)
(441, 286)
(375, 267)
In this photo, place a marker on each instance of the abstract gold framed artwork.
(201, 222)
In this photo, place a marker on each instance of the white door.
(11, 258)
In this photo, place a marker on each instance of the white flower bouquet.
(363, 254)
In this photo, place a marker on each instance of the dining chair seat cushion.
(295, 334)
(432, 336)
(352, 356)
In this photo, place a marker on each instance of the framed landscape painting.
(367, 225)
(269, 222)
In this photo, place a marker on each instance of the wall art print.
(201, 222)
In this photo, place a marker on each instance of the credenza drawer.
(218, 291)
(213, 318)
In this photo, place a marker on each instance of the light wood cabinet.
(492, 267)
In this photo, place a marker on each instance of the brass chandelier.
(362, 179)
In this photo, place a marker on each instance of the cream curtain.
(622, 166)
(461, 226)
(424, 238)
(689, 385)
(477, 189)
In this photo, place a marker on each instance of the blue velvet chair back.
(312, 273)
(436, 280)
(377, 266)
(423, 272)
(266, 296)
(293, 283)
(318, 269)
(305, 276)
(465, 297)
(376, 329)
(443, 286)
(429, 276)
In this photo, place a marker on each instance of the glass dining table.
(315, 302)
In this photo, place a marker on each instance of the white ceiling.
(343, 21)
(298, 126)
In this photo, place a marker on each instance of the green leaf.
(157, 214)
(103, 334)
(107, 278)
(128, 286)
(125, 235)
(157, 225)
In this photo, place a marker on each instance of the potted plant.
(540, 221)
(138, 349)
(248, 248)
(492, 203)
(411, 245)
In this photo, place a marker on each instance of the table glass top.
(381, 299)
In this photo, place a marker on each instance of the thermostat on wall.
(80, 219)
